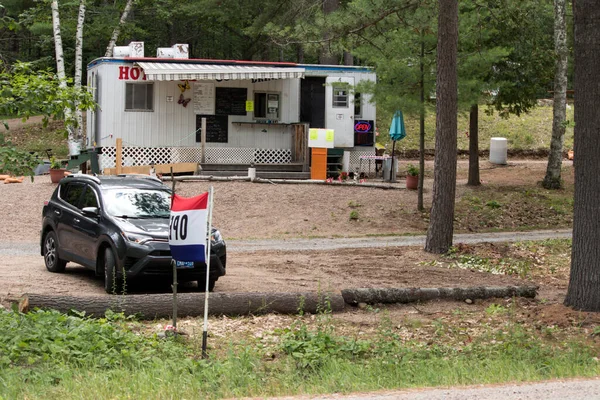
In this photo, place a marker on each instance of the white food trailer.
(253, 110)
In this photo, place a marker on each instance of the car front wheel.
(202, 285)
(53, 263)
(112, 281)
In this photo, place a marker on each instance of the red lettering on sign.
(135, 74)
(123, 73)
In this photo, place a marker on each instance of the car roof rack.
(141, 176)
(85, 176)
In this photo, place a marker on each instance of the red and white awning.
(156, 71)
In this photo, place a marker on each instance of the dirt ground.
(246, 211)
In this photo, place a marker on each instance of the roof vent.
(180, 51)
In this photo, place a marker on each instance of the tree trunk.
(420, 205)
(152, 306)
(411, 295)
(441, 228)
(348, 58)
(474, 179)
(60, 62)
(117, 31)
(327, 57)
(583, 292)
(552, 180)
(78, 65)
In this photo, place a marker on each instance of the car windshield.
(137, 203)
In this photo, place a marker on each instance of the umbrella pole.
(392, 169)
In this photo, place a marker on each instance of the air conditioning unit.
(165, 52)
(121, 51)
(136, 49)
(181, 50)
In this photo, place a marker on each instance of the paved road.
(32, 248)
(550, 390)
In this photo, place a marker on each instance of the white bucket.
(498, 150)
(252, 173)
(74, 147)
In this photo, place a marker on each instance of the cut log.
(409, 295)
(150, 306)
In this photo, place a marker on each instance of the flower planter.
(412, 181)
(57, 174)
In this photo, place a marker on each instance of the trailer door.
(339, 106)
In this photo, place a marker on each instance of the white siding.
(172, 125)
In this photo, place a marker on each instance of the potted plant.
(412, 177)
(57, 172)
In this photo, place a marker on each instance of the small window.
(266, 105)
(138, 96)
(357, 105)
(71, 193)
(340, 96)
(89, 198)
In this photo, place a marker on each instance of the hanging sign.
(249, 106)
(321, 138)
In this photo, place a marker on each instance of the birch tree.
(552, 180)
(60, 61)
(117, 30)
(78, 63)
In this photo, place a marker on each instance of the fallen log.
(204, 178)
(410, 295)
(150, 306)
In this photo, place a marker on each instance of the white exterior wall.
(172, 125)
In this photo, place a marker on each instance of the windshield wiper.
(125, 216)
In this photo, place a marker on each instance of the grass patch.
(526, 132)
(53, 356)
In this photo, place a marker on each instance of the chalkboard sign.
(231, 101)
(217, 128)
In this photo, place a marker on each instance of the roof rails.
(84, 176)
(141, 176)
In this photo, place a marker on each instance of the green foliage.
(354, 204)
(354, 216)
(54, 163)
(497, 266)
(493, 204)
(14, 161)
(310, 350)
(412, 170)
(51, 338)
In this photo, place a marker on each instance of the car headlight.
(136, 237)
(216, 237)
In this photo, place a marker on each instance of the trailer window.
(267, 105)
(357, 105)
(138, 96)
(340, 96)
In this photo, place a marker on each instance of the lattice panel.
(273, 156)
(214, 155)
(229, 155)
(355, 164)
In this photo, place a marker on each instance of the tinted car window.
(137, 203)
(89, 198)
(71, 193)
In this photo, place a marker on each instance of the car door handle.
(76, 220)
(57, 212)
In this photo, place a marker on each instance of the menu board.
(204, 98)
(231, 101)
(217, 128)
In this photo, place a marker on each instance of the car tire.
(113, 283)
(53, 263)
(202, 285)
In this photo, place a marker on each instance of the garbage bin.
(389, 173)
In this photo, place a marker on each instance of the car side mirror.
(90, 211)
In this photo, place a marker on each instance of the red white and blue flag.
(188, 228)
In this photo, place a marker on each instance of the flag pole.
(207, 257)
(173, 264)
